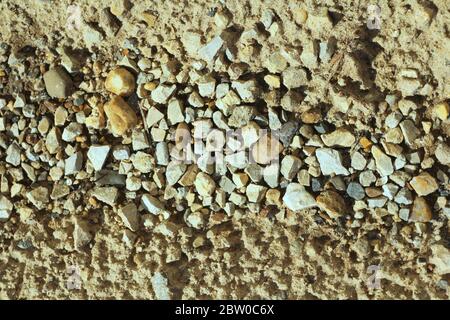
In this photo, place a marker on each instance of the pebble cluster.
(157, 141)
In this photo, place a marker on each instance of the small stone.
(355, 191)
(255, 193)
(290, 166)
(154, 206)
(266, 149)
(291, 101)
(204, 184)
(382, 161)
(139, 140)
(424, 184)
(6, 208)
(153, 116)
(377, 202)
(366, 178)
(393, 119)
(309, 55)
(175, 111)
(248, 90)
(39, 197)
(241, 116)
(442, 153)
(226, 184)
(394, 136)
(404, 214)
(160, 287)
(273, 81)
(440, 257)
(121, 152)
(97, 154)
(129, 215)
(81, 234)
(420, 211)
(143, 162)
(61, 115)
(120, 81)
(390, 190)
(13, 154)
(296, 198)
(358, 161)
(330, 162)
(107, 195)
(332, 203)
(441, 110)
(59, 191)
(410, 131)
(206, 86)
(210, 51)
(121, 116)
(404, 196)
(294, 77)
(163, 93)
(72, 131)
(73, 164)
(340, 137)
(58, 83)
(174, 172)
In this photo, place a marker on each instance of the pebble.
(266, 149)
(6, 208)
(129, 215)
(366, 178)
(60, 116)
(332, 203)
(404, 196)
(142, 161)
(255, 193)
(153, 117)
(294, 77)
(377, 202)
(163, 92)
(390, 190)
(330, 161)
(358, 161)
(204, 184)
(210, 50)
(382, 161)
(175, 111)
(81, 234)
(73, 164)
(13, 154)
(139, 140)
(39, 197)
(442, 153)
(121, 116)
(440, 258)
(296, 198)
(154, 206)
(424, 184)
(441, 110)
(121, 152)
(393, 119)
(410, 131)
(355, 191)
(121, 82)
(107, 195)
(290, 165)
(248, 90)
(340, 138)
(72, 131)
(97, 154)
(58, 83)
(420, 211)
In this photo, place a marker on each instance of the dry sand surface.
(112, 184)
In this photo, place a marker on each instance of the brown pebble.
(421, 211)
(332, 203)
(120, 115)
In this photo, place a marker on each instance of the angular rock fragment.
(332, 203)
(330, 162)
(296, 198)
(424, 184)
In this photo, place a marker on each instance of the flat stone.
(340, 137)
(39, 197)
(139, 140)
(204, 184)
(162, 93)
(330, 162)
(355, 191)
(266, 149)
(143, 162)
(404, 196)
(382, 161)
(296, 198)
(424, 184)
(255, 193)
(82, 235)
(73, 164)
(129, 215)
(121, 116)
(175, 111)
(58, 83)
(241, 116)
(332, 203)
(210, 50)
(410, 131)
(290, 165)
(294, 77)
(107, 195)
(153, 116)
(154, 206)
(97, 154)
(120, 81)
(420, 211)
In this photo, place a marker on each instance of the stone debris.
(424, 184)
(120, 115)
(58, 83)
(121, 82)
(330, 161)
(274, 136)
(296, 198)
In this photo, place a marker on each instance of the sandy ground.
(283, 255)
